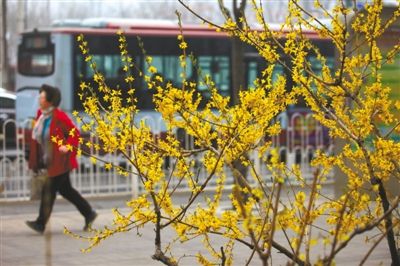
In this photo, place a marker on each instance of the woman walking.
(55, 160)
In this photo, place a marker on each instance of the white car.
(7, 102)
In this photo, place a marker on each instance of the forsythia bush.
(350, 101)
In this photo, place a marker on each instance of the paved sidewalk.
(19, 245)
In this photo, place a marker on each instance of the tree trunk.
(3, 53)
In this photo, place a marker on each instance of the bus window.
(252, 74)
(36, 56)
(278, 71)
(316, 66)
(32, 64)
(107, 64)
(169, 68)
(254, 68)
(218, 69)
(110, 66)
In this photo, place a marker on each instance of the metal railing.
(300, 138)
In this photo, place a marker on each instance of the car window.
(7, 103)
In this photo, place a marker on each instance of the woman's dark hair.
(53, 94)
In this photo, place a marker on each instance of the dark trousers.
(62, 184)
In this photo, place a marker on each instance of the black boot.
(35, 226)
(89, 220)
